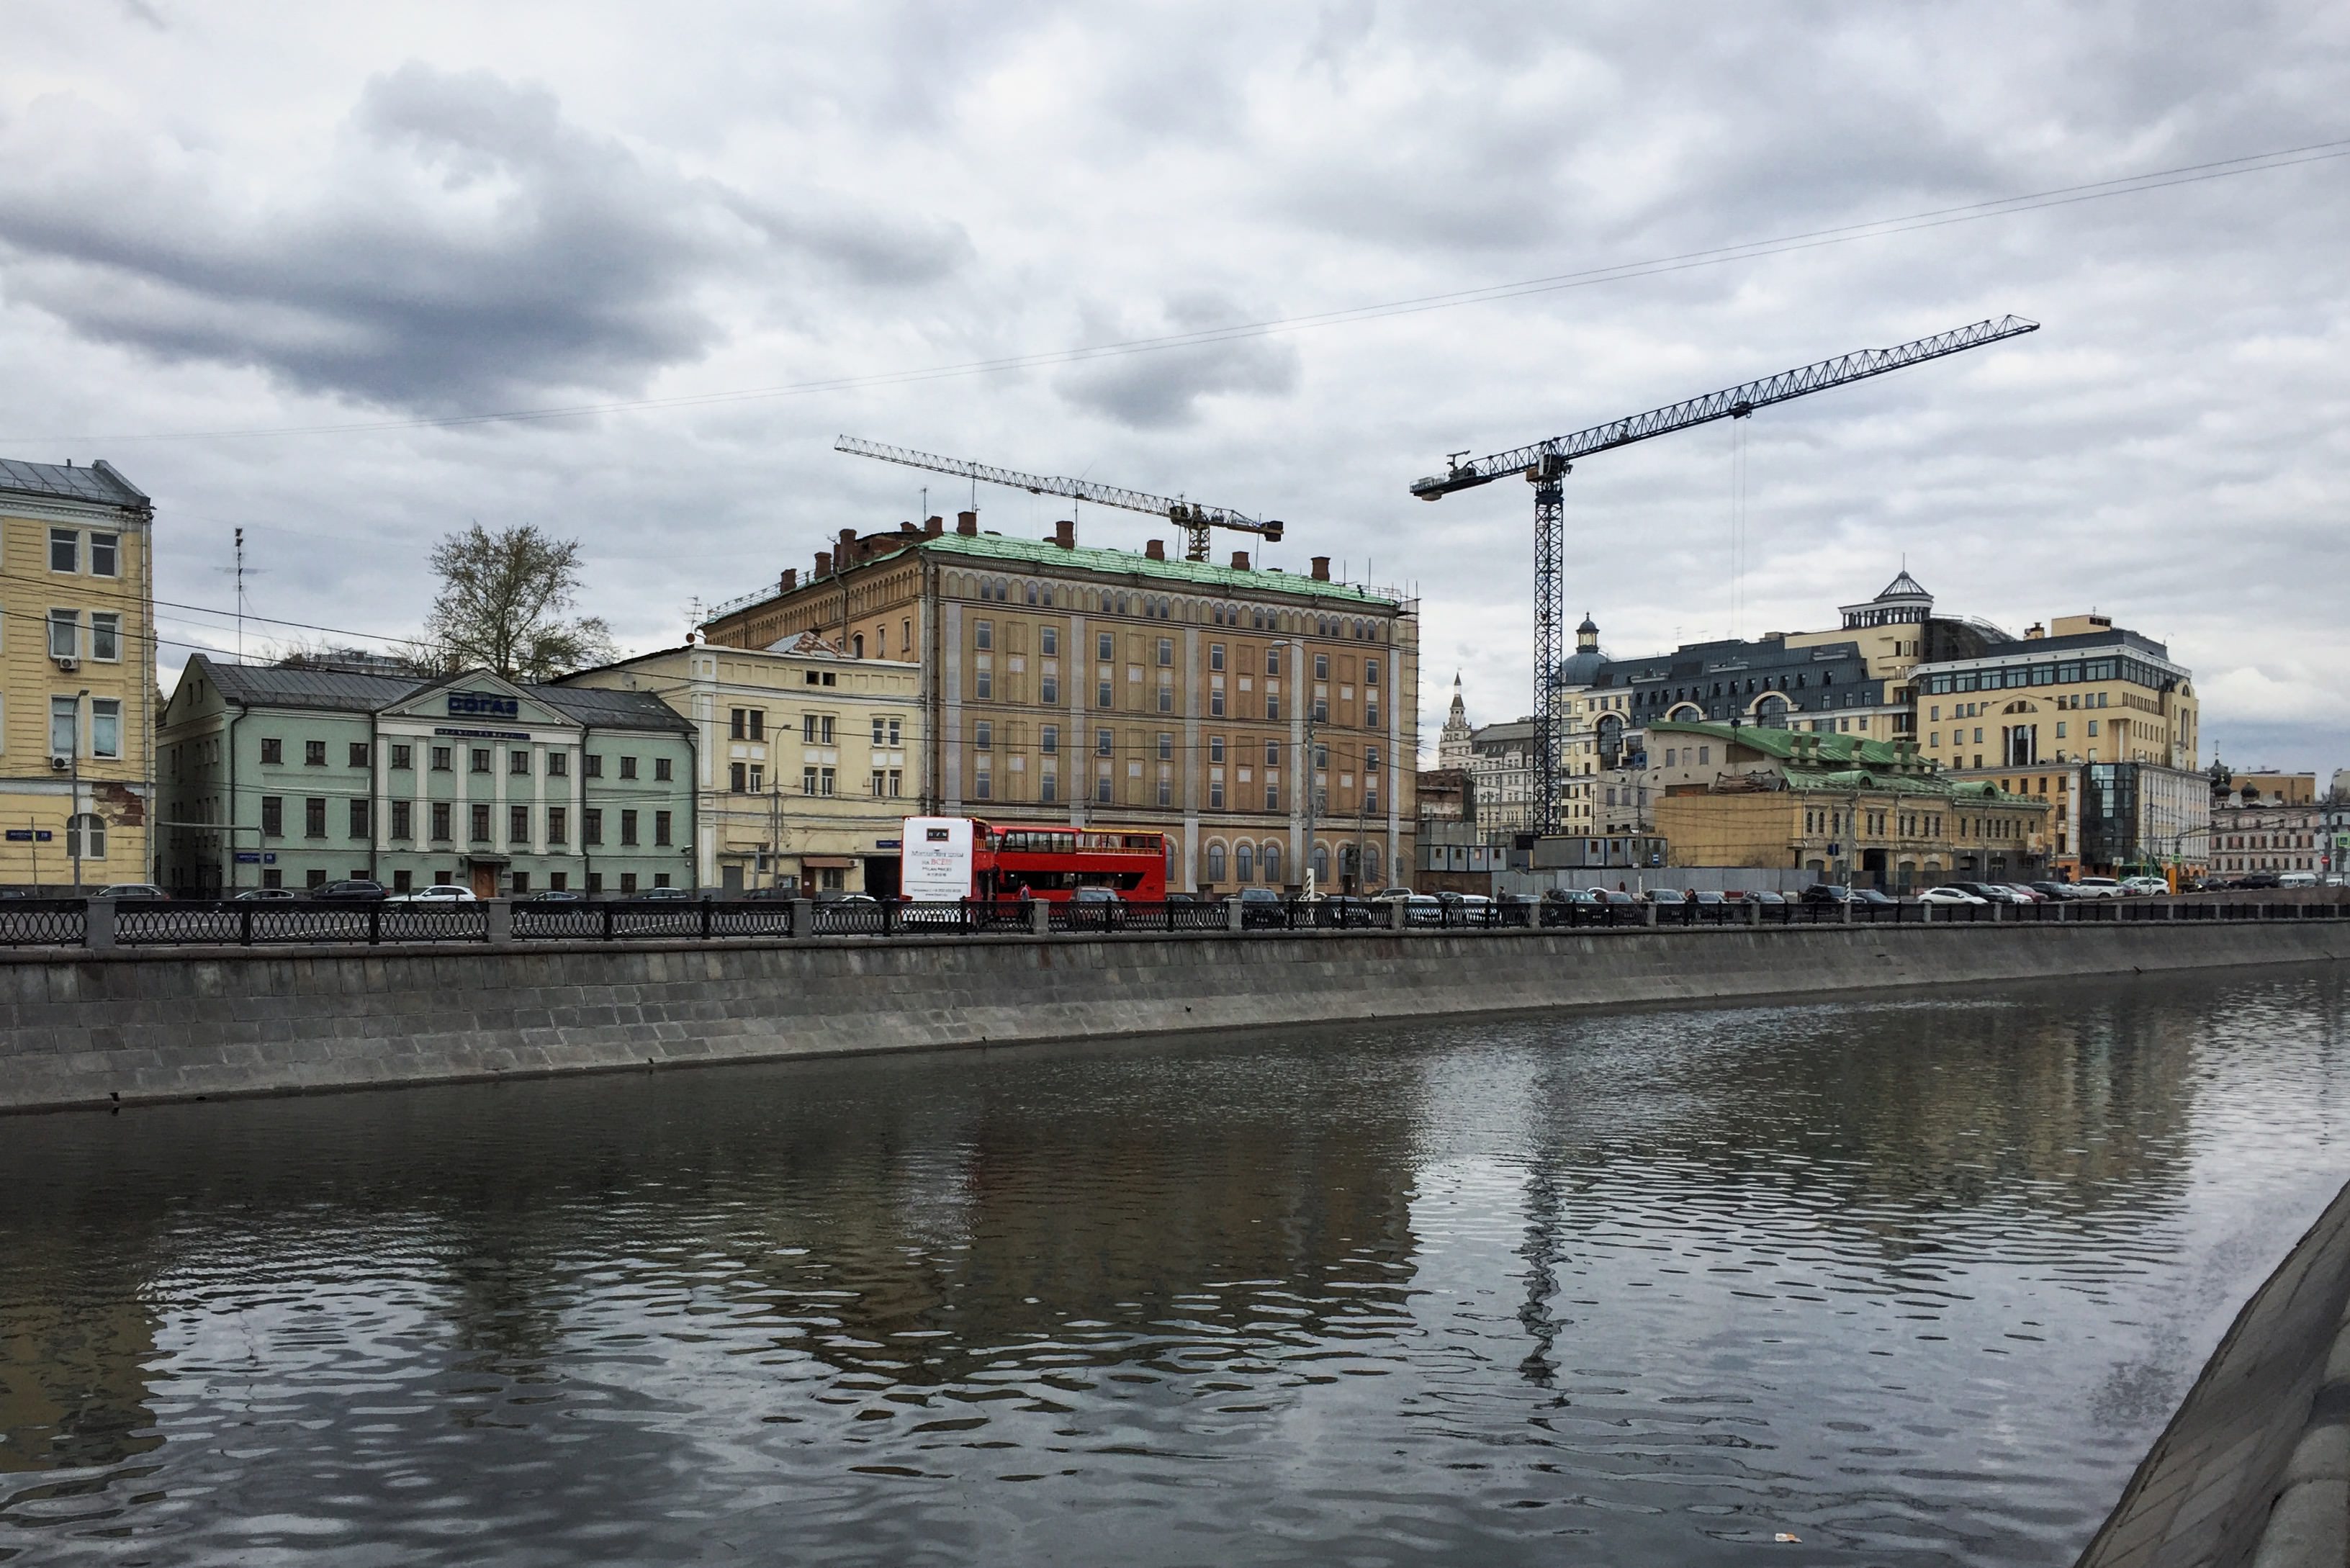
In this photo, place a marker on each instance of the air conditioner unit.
(69, 662)
(60, 765)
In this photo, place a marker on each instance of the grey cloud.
(464, 246)
(1162, 390)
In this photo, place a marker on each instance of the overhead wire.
(1975, 212)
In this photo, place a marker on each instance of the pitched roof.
(100, 484)
(1904, 586)
(343, 691)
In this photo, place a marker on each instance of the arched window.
(1350, 862)
(857, 646)
(1245, 863)
(1321, 864)
(1374, 867)
(86, 837)
(1215, 862)
(1273, 862)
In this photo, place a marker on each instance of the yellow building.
(1871, 812)
(808, 759)
(77, 675)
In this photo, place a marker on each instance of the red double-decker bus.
(1054, 862)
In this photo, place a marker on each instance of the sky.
(274, 262)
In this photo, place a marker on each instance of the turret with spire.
(1453, 749)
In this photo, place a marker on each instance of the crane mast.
(1194, 519)
(1545, 466)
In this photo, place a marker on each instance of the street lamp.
(73, 812)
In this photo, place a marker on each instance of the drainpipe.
(228, 880)
(587, 850)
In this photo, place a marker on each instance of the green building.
(293, 777)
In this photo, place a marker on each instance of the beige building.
(1265, 720)
(808, 760)
(1870, 811)
(77, 675)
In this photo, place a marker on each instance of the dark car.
(557, 895)
(133, 892)
(1666, 896)
(351, 891)
(1874, 898)
(1766, 896)
(1181, 898)
(1260, 906)
(263, 895)
(1826, 893)
(2057, 891)
(2258, 879)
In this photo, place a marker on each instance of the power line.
(1939, 217)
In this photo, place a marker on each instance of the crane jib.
(1730, 402)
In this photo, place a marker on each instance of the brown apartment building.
(1069, 684)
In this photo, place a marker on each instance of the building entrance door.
(486, 881)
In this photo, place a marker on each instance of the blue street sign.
(887, 844)
(249, 857)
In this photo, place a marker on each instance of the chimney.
(2034, 632)
(933, 527)
(846, 551)
(1321, 568)
(791, 578)
(1064, 533)
(1156, 550)
(1239, 561)
(967, 524)
(909, 531)
(823, 563)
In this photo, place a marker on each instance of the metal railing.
(145, 924)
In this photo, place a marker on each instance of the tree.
(503, 605)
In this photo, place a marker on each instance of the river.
(1913, 1279)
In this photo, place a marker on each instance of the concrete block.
(2309, 1527)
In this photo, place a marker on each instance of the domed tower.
(1581, 669)
(1453, 749)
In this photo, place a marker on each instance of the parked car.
(2257, 879)
(2099, 887)
(1395, 893)
(558, 896)
(679, 894)
(2029, 894)
(1765, 896)
(438, 893)
(1950, 893)
(2057, 890)
(1990, 892)
(2296, 879)
(1665, 896)
(1874, 898)
(133, 892)
(263, 895)
(1617, 898)
(351, 891)
(1826, 893)
(2145, 886)
(1707, 898)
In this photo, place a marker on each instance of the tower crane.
(1190, 516)
(1546, 464)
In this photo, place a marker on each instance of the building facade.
(76, 676)
(2280, 827)
(1263, 720)
(277, 777)
(807, 760)
(1872, 813)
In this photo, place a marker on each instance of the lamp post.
(73, 811)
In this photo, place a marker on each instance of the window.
(440, 762)
(1048, 641)
(628, 767)
(272, 751)
(1321, 709)
(86, 837)
(403, 881)
(591, 828)
(1273, 705)
(403, 819)
(359, 823)
(558, 824)
(1245, 863)
(1215, 703)
(1370, 672)
(314, 753)
(1102, 742)
(1215, 656)
(1166, 747)
(1215, 862)
(592, 765)
(314, 817)
(1271, 797)
(104, 551)
(1049, 786)
(479, 823)
(628, 881)
(738, 777)
(105, 727)
(662, 820)
(65, 550)
(64, 633)
(1048, 688)
(982, 682)
(1321, 667)
(273, 816)
(663, 766)
(1102, 789)
(518, 825)
(358, 753)
(1166, 652)
(481, 759)
(522, 882)
(1105, 646)
(1215, 795)
(314, 879)
(983, 784)
(807, 781)
(982, 735)
(1102, 698)
(982, 634)
(105, 636)
(1273, 662)
(404, 758)
(558, 764)
(440, 810)
(629, 829)
(518, 762)
(1048, 739)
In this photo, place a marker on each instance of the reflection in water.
(1915, 1279)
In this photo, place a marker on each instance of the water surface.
(1916, 1281)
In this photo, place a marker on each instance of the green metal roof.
(1844, 763)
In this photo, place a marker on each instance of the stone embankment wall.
(2255, 1466)
(130, 1025)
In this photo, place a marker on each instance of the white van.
(2296, 879)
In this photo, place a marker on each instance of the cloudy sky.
(261, 256)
